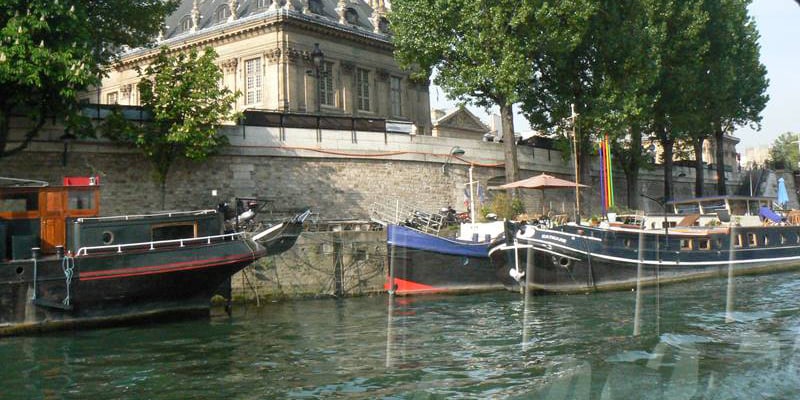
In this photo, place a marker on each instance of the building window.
(252, 73)
(351, 16)
(315, 6)
(395, 97)
(263, 3)
(326, 84)
(362, 89)
(112, 98)
(186, 24)
(221, 14)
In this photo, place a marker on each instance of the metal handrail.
(141, 216)
(84, 251)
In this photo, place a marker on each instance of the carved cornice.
(295, 55)
(272, 23)
(347, 67)
(125, 90)
(273, 55)
(229, 65)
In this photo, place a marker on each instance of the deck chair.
(689, 220)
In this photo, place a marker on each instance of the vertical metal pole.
(471, 198)
(577, 173)
(637, 314)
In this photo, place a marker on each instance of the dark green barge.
(62, 265)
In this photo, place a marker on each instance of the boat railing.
(399, 213)
(153, 245)
(143, 216)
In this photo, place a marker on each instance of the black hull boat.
(61, 266)
(422, 263)
(576, 258)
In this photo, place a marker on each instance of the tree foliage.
(784, 152)
(186, 104)
(485, 52)
(52, 49)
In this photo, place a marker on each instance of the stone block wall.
(346, 263)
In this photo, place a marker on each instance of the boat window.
(718, 243)
(752, 240)
(691, 208)
(712, 206)
(797, 237)
(783, 238)
(628, 242)
(80, 199)
(703, 244)
(19, 202)
(108, 237)
(174, 231)
(738, 241)
(686, 244)
(766, 240)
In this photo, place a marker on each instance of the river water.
(491, 345)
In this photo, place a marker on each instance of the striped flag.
(606, 176)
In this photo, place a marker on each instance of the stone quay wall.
(339, 174)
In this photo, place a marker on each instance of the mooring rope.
(68, 266)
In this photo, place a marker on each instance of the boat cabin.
(37, 216)
(67, 216)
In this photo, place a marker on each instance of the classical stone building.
(459, 123)
(266, 50)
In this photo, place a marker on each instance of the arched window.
(186, 24)
(383, 25)
(221, 14)
(315, 6)
(351, 16)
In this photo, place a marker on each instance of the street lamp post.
(318, 58)
(454, 151)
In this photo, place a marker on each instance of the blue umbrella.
(783, 195)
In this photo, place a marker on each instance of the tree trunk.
(509, 144)
(631, 163)
(163, 193)
(719, 138)
(698, 166)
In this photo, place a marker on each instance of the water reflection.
(493, 345)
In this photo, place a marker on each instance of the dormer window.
(263, 3)
(221, 14)
(186, 24)
(351, 16)
(383, 25)
(315, 6)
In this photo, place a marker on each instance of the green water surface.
(491, 345)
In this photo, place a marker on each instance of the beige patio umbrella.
(541, 182)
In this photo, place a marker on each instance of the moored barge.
(62, 265)
(703, 238)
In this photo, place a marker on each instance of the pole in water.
(637, 314)
(729, 293)
(527, 288)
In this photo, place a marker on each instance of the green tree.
(51, 50)
(187, 105)
(485, 52)
(734, 83)
(784, 152)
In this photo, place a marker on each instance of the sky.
(778, 22)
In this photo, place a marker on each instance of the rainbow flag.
(606, 177)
